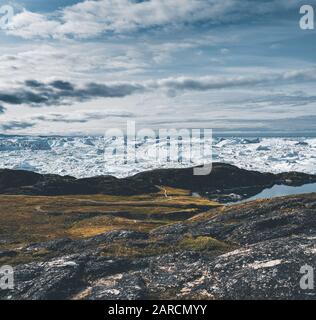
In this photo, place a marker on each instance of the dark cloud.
(36, 94)
(23, 96)
(33, 84)
(60, 118)
(62, 85)
(58, 92)
(82, 118)
(2, 109)
(16, 125)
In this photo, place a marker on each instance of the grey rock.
(270, 241)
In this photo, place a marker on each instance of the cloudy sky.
(80, 67)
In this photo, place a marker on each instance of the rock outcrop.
(247, 251)
(223, 179)
(31, 183)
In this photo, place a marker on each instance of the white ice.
(92, 156)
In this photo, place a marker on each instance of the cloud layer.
(16, 125)
(82, 67)
(60, 92)
(92, 18)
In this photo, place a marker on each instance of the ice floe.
(86, 156)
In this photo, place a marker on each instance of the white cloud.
(70, 61)
(92, 18)
(199, 73)
(31, 25)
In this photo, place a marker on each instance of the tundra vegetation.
(167, 243)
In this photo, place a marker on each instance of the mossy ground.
(30, 219)
(153, 247)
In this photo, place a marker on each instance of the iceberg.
(86, 156)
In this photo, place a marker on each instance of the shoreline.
(224, 178)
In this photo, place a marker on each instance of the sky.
(72, 67)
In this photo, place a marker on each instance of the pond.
(281, 191)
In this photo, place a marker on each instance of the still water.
(282, 190)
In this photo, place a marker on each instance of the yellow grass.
(27, 219)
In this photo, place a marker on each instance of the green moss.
(203, 243)
(153, 247)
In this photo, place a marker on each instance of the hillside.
(155, 235)
(253, 250)
(223, 179)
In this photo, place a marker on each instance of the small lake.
(281, 191)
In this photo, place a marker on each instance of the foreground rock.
(223, 179)
(246, 251)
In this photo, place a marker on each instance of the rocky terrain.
(254, 250)
(166, 244)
